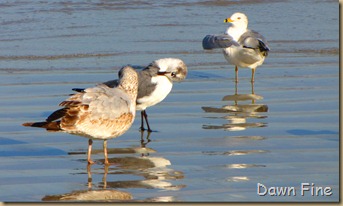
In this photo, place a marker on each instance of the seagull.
(98, 113)
(155, 83)
(241, 47)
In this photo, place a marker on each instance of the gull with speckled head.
(155, 83)
(241, 47)
(99, 113)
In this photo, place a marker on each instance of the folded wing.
(103, 102)
(253, 40)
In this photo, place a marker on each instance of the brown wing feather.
(56, 115)
(51, 126)
(69, 103)
(71, 116)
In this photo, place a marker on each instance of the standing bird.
(99, 113)
(155, 83)
(241, 47)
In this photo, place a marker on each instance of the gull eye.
(173, 74)
(239, 18)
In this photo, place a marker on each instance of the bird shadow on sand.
(239, 112)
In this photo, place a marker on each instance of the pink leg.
(236, 74)
(253, 74)
(90, 142)
(105, 153)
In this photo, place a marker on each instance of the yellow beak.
(228, 20)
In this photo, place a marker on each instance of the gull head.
(239, 20)
(173, 68)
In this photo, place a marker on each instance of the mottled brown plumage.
(99, 112)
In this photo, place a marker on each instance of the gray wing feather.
(254, 40)
(145, 87)
(112, 83)
(218, 41)
(105, 102)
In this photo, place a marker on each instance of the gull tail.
(51, 126)
(264, 49)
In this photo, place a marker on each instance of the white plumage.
(241, 47)
(163, 88)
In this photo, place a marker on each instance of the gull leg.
(253, 74)
(90, 142)
(236, 73)
(105, 153)
(142, 121)
(236, 89)
(252, 92)
(146, 120)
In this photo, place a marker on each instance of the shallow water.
(205, 148)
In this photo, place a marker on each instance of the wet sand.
(215, 140)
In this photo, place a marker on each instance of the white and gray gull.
(241, 47)
(99, 113)
(155, 83)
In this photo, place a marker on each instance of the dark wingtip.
(205, 41)
(35, 124)
(78, 89)
(47, 125)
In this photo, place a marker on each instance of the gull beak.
(228, 20)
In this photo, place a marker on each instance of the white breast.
(242, 57)
(163, 88)
(235, 33)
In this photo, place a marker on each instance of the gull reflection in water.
(91, 194)
(143, 171)
(238, 113)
